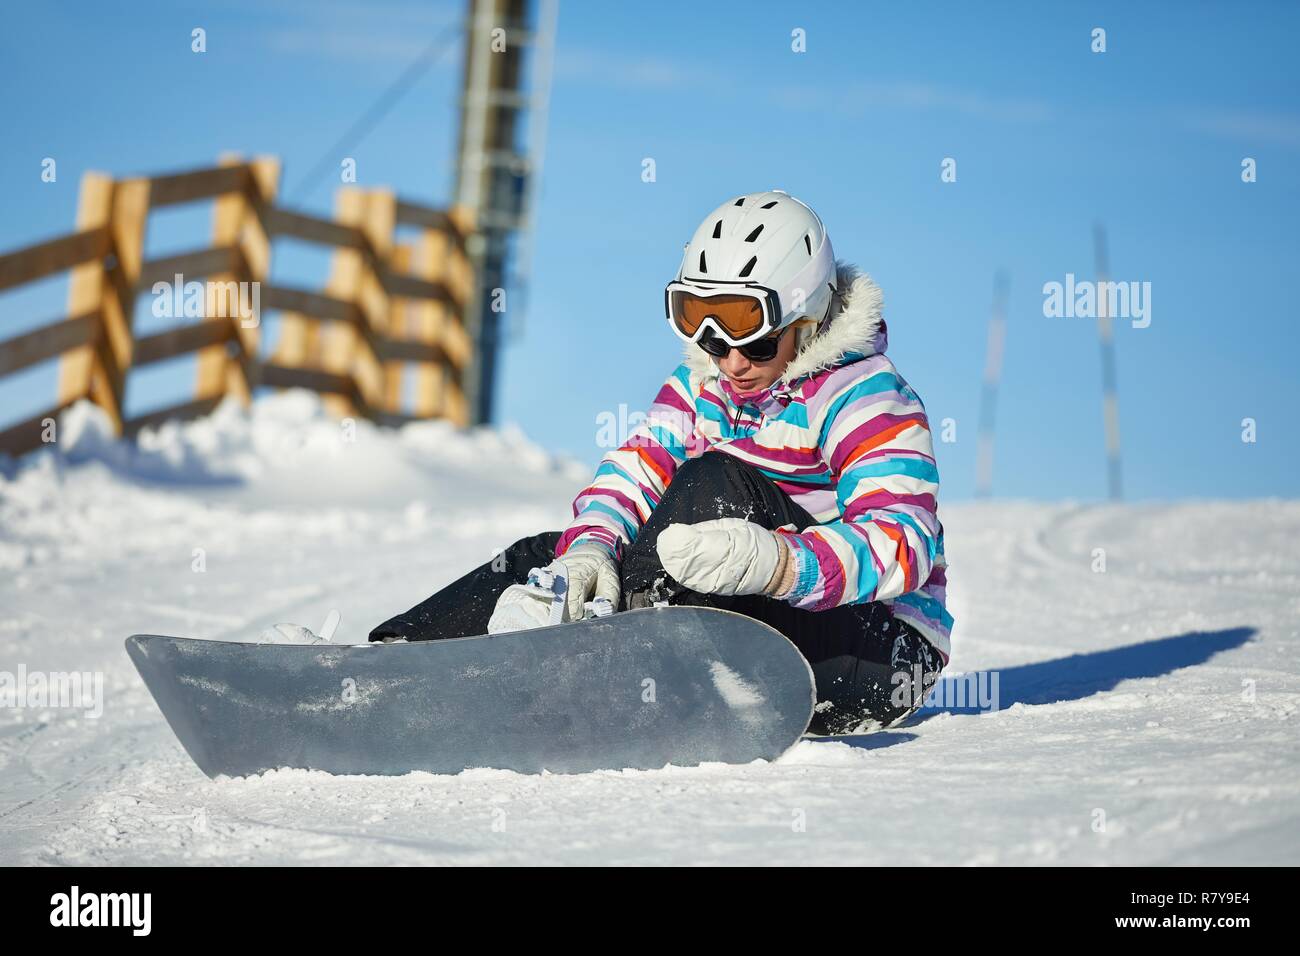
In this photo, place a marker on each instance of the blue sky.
(1048, 138)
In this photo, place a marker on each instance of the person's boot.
(521, 607)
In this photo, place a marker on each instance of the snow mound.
(284, 430)
(281, 468)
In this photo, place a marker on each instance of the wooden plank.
(337, 341)
(131, 205)
(254, 240)
(314, 305)
(369, 370)
(239, 222)
(426, 217)
(197, 184)
(183, 339)
(286, 222)
(399, 260)
(395, 419)
(398, 419)
(407, 350)
(181, 411)
(457, 407)
(428, 319)
(48, 342)
(329, 383)
(130, 217)
(412, 287)
(213, 371)
(255, 252)
(22, 437)
(56, 255)
(460, 273)
(456, 342)
(191, 266)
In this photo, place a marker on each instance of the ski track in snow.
(1126, 695)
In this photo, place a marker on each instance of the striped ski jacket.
(841, 432)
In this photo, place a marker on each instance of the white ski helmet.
(768, 246)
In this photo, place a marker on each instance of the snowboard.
(639, 689)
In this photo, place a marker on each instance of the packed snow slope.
(1148, 711)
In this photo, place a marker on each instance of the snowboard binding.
(541, 602)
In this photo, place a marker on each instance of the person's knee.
(712, 467)
(710, 486)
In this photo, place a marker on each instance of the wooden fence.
(388, 309)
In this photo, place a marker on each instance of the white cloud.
(1282, 128)
(373, 48)
(380, 33)
(906, 95)
(634, 72)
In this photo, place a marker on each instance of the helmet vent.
(754, 235)
(807, 241)
(769, 205)
(739, 202)
(703, 268)
(717, 229)
(749, 267)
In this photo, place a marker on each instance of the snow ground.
(1159, 697)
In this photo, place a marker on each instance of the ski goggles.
(737, 314)
(759, 350)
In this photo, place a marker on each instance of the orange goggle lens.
(738, 316)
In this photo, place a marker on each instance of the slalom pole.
(989, 393)
(1110, 399)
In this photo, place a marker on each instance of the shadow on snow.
(1082, 675)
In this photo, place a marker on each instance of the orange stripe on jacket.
(876, 440)
(900, 552)
(644, 455)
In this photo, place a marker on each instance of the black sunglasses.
(761, 350)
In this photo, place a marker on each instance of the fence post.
(338, 339)
(131, 198)
(224, 369)
(107, 288)
(462, 282)
(401, 325)
(356, 277)
(429, 322)
(378, 225)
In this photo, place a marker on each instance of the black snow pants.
(855, 650)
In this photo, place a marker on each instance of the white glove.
(589, 571)
(724, 556)
(592, 572)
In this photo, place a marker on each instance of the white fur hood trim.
(855, 327)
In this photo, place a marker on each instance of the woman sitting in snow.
(785, 471)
